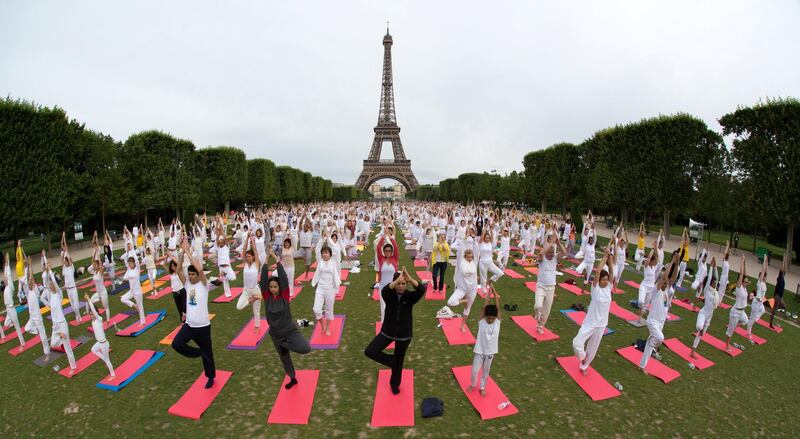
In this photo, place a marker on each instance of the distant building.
(394, 192)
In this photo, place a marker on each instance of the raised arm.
(742, 273)
(179, 270)
(600, 266)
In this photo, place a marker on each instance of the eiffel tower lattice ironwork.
(387, 130)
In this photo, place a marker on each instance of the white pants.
(226, 275)
(57, 339)
(618, 269)
(655, 339)
(639, 258)
(243, 301)
(151, 275)
(458, 294)
(13, 319)
(683, 272)
(101, 350)
(502, 259)
(485, 267)
(644, 289)
(323, 303)
(36, 326)
(137, 301)
(110, 272)
(585, 344)
(737, 317)
(383, 305)
(695, 285)
(703, 322)
(756, 311)
(101, 296)
(72, 295)
(585, 265)
(543, 301)
(481, 363)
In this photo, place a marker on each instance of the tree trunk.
(227, 206)
(789, 241)
(145, 220)
(103, 216)
(47, 236)
(666, 224)
(544, 206)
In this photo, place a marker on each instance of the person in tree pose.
(658, 303)
(252, 265)
(738, 316)
(486, 341)
(587, 341)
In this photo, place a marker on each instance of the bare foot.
(463, 328)
(470, 389)
(483, 392)
(584, 372)
(644, 370)
(256, 329)
(692, 354)
(328, 332)
(540, 330)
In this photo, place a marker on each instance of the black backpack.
(432, 407)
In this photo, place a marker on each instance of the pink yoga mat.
(127, 369)
(340, 294)
(531, 286)
(654, 367)
(248, 338)
(425, 275)
(622, 313)
(390, 410)
(724, 305)
(532, 270)
(293, 406)
(343, 275)
(683, 351)
(9, 336)
(485, 405)
(571, 272)
(164, 291)
(35, 341)
(593, 383)
(72, 343)
(305, 278)
(719, 344)
(764, 323)
(578, 317)
(430, 294)
(574, 289)
(149, 319)
(115, 319)
(81, 364)
(321, 341)
(632, 284)
(528, 324)
(685, 305)
(85, 318)
(420, 263)
(756, 339)
(198, 399)
(235, 292)
(513, 274)
(378, 331)
(522, 263)
(376, 294)
(454, 335)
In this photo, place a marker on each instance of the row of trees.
(57, 170)
(664, 167)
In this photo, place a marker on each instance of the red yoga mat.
(523, 263)
(632, 284)
(343, 275)
(513, 274)
(532, 270)
(130, 367)
(764, 323)
(305, 277)
(85, 318)
(149, 319)
(340, 294)
(622, 313)
(82, 364)
(376, 295)
(198, 399)
(235, 292)
(531, 286)
(72, 343)
(571, 272)
(297, 290)
(485, 405)
(115, 319)
(593, 383)
(431, 294)
(390, 410)
(378, 331)
(574, 289)
(654, 367)
(321, 341)
(293, 406)
(160, 294)
(425, 275)
(756, 339)
(248, 338)
(35, 341)
(528, 324)
(684, 351)
(420, 263)
(724, 305)
(454, 335)
(719, 344)
(684, 305)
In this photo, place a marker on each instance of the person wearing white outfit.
(98, 277)
(223, 256)
(587, 248)
(465, 278)
(485, 261)
(101, 348)
(68, 273)
(52, 297)
(505, 249)
(12, 319)
(35, 323)
(738, 316)
(486, 342)
(648, 283)
(546, 279)
(712, 294)
(757, 305)
(658, 304)
(326, 280)
(133, 276)
(252, 267)
(587, 340)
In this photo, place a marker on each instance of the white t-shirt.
(175, 282)
(547, 271)
(223, 255)
(597, 314)
(488, 334)
(250, 276)
(68, 271)
(197, 305)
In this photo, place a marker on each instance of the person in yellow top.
(439, 256)
(639, 257)
(685, 256)
(22, 277)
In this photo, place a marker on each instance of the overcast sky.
(477, 84)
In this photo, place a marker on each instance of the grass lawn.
(754, 394)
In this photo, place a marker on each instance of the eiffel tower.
(387, 130)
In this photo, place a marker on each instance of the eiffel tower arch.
(398, 168)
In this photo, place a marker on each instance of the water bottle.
(503, 405)
(618, 386)
(691, 366)
(56, 368)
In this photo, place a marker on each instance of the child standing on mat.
(282, 330)
(101, 348)
(397, 325)
(197, 326)
(587, 341)
(486, 341)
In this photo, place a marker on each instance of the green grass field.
(753, 395)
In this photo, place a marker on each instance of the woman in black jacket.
(397, 325)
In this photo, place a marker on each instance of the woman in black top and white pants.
(397, 325)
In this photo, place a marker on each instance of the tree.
(261, 181)
(223, 175)
(103, 178)
(766, 153)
